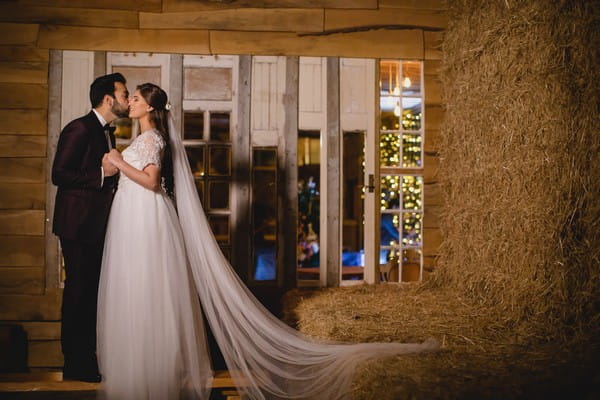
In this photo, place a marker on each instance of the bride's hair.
(157, 98)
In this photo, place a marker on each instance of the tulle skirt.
(151, 339)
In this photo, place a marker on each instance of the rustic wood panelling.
(17, 251)
(23, 122)
(22, 170)
(433, 42)
(111, 39)
(432, 242)
(42, 330)
(433, 194)
(249, 19)
(23, 95)
(22, 146)
(432, 142)
(31, 308)
(69, 16)
(433, 94)
(434, 115)
(425, 4)
(23, 196)
(45, 353)
(136, 5)
(431, 67)
(18, 33)
(339, 19)
(431, 218)
(432, 164)
(22, 222)
(195, 5)
(376, 43)
(23, 53)
(23, 72)
(22, 280)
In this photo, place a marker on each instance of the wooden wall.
(409, 29)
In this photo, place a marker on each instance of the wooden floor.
(50, 385)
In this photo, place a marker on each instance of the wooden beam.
(421, 4)
(42, 330)
(69, 16)
(433, 91)
(432, 142)
(23, 53)
(431, 217)
(432, 239)
(18, 251)
(22, 170)
(433, 45)
(18, 33)
(111, 39)
(22, 196)
(134, 5)
(434, 117)
(24, 95)
(31, 307)
(433, 194)
(22, 146)
(22, 222)
(22, 280)
(195, 5)
(339, 19)
(23, 72)
(375, 43)
(45, 353)
(23, 122)
(247, 19)
(432, 165)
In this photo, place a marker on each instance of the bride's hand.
(114, 156)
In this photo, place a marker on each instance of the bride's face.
(138, 106)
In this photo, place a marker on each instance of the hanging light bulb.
(397, 86)
(406, 82)
(397, 110)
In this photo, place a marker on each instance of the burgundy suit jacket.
(82, 202)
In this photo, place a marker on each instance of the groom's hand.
(108, 167)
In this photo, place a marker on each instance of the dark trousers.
(80, 298)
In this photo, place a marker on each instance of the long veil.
(266, 358)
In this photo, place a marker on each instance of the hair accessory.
(168, 106)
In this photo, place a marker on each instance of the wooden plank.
(24, 72)
(23, 95)
(374, 43)
(22, 222)
(134, 5)
(22, 196)
(31, 307)
(432, 239)
(432, 142)
(431, 216)
(42, 330)
(45, 353)
(116, 39)
(433, 43)
(433, 194)
(18, 33)
(22, 170)
(433, 92)
(23, 122)
(22, 280)
(432, 165)
(69, 16)
(195, 5)
(332, 193)
(16, 251)
(434, 116)
(22, 146)
(248, 19)
(340, 19)
(23, 53)
(432, 67)
(421, 4)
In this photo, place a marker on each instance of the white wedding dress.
(157, 263)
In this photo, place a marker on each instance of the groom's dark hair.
(104, 85)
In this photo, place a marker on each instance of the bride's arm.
(149, 177)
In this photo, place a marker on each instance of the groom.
(86, 183)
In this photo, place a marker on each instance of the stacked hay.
(519, 161)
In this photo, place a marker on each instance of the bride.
(159, 258)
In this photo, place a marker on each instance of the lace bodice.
(145, 149)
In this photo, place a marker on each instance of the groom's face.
(120, 105)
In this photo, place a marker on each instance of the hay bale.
(519, 160)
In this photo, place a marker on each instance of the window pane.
(390, 229)
(390, 113)
(193, 125)
(412, 192)
(411, 229)
(411, 151)
(196, 159)
(200, 188)
(220, 227)
(264, 217)
(390, 192)
(389, 149)
(411, 78)
(219, 161)
(265, 158)
(411, 114)
(389, 73)
(219, 127)
(218, 195)
(353, 200)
